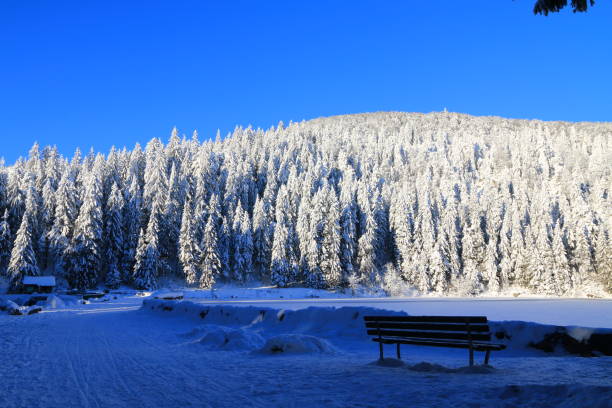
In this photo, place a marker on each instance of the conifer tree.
(149, 266)
(5, 243)
(366, 254)
(603, 260)
(211, 262)
(171, 217)
(474, 250)
(224, 248)
(348, 231)
(114, 236)
(188, 247)
(280, 271)
(66, 212)
(331, 267)
(262, 237)
(23, 258)
(132, 216)
(83, 259)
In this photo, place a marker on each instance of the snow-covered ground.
(116, 353)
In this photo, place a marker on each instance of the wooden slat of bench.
(433, 343)
(476, 328)
(430, 335)
(430, 319)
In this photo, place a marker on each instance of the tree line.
(442, 203)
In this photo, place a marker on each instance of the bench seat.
(464, 332)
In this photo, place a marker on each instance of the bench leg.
(399, 356)
(380, 347)
(487, 355)
(471, 357)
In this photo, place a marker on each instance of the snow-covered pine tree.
(66, 212)
(348, 231)
(367, 246)
(171, 219)
(281, 273)
(5, 243)
(541, 259)
(4, 199)
(155, 176)
(246, 247)
(211, 262)
(225, 236)
(149, 265)
(46, 215)
(491, 266)
(83, 260)
(263, 229)
(188, 247)
(114, 237)
(302, 229)
(506, 260)
(331, 266)
(560, 266)
(241, 254)
(312, 241)
(23, 258)
(474, 250)
(603, 260)
(132, 216)
(439, 268)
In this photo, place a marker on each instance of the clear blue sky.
(103, 73)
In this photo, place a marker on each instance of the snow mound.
(229, 339)
(389, 362)
(8, 305)
(560, 396)
(54, 302)
(437, 368)
(328, 322)
(297, 344)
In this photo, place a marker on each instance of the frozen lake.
(562, 312)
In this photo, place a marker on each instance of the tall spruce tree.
(83, 258)
(149, 265)
(331, 266)
(188, 247)
(211, 262)
(114, 236)
(5, 243)
(23, 257)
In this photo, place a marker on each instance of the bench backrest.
(468, 328)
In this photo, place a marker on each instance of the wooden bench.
(468, 332)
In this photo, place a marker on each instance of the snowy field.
(119, 353)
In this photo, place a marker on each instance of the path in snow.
(115, 355)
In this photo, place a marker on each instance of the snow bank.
(215, 337)
(297, 344)
(14, 309)
(325, 322)
(437, 368)
(346, 323)
(54, 302)
(166, 294)
(8, 305)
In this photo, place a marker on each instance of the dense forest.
(444, 203)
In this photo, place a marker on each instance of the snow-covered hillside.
(443, 203)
